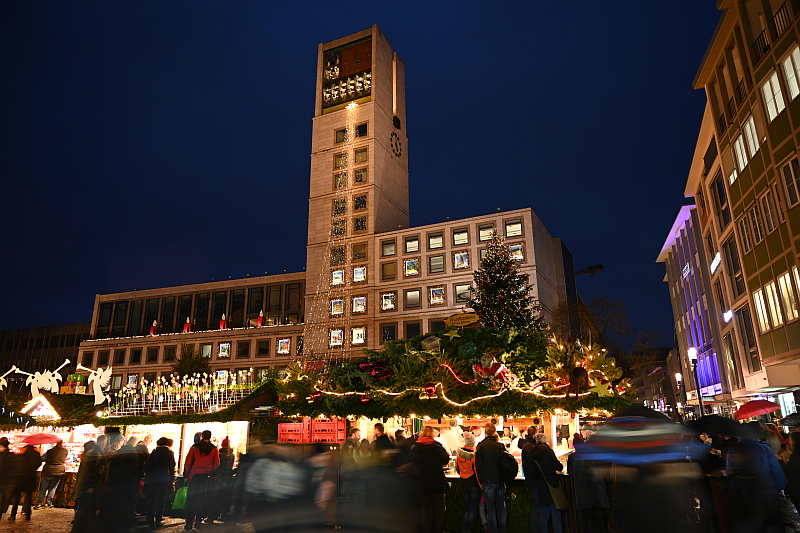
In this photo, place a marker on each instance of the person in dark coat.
(53, 470)
(88, 483)
(793, 470)
(219, 506)
(487, 455)
(429, 456)
(8, 474)
(591, 498)
(382, 441)
(122, 484)
(159, 477)
(534, 456)
(28, 463)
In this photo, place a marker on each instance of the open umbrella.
(641, 411)
(793, 420)
(755, 408)
(715, 425)
(41, 438)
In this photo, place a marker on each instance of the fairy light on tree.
(502, 295)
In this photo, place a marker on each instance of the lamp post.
(692, 353)
(681, 395)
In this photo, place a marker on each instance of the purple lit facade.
(693, 306)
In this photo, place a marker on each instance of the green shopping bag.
(180, 499)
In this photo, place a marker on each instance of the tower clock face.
(397, 146)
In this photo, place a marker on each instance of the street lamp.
(681, 395)
(692, 353)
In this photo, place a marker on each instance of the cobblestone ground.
(58, 520)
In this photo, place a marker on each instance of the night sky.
(151, 144)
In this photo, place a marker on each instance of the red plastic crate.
(328, 431)
(295, 432)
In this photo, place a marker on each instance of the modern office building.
(37, 349)
(745, 182)
(369, 277)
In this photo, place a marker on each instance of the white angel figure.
(99, 379)
(50, 379)
(35, 380)
(3, 382)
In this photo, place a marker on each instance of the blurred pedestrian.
(122, 484)
(8, 474)
(793, 470)
(429, 457)
(382, 441)
(221, 485)
(470, 489)
(88, 483)
(591, 498)
(540, 466)
(52, 472)
(28, 463)
(201, 461)
(487, 455)
(756, 475)
(159, 476)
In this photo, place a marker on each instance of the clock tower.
(358, 187)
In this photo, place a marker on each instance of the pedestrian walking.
(159, 477)
(429, 457)
(793, 470)
(221, 485)
(470, 489)
(88, 484)
(28, 463)
(487, 455)
(591, 498)
(540, 465)
(201, 461)
(52, 472)
(122, 484)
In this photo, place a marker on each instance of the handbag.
(180, 499)
(557, 492)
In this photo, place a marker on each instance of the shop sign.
(715, 263)
(461, 319)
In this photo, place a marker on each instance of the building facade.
(369, 277)
(37, 349)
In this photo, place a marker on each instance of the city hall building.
(369, 276)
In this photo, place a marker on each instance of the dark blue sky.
(149, 144)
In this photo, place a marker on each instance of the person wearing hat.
(159, 472)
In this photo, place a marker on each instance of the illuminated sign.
(686, 269)
(715, 263)
(727, 315)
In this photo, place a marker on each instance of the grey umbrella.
(793, 420)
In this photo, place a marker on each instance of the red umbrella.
(41, 438)
(755, 408)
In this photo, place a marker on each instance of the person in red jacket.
(201, 461)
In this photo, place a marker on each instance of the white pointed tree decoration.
(99, 379)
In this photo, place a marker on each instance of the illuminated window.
(744, 233)
(769, 212)
(773, 305)
(339, 207)
(337, 256)
(412, 244)
(751, 136)
(224, 350)
(773, 99)
(359, 274)
(341, 135)
(412, 299)
(411, 267)
(337, 307)
(460, 237)
(283, 346)
(463, 293)
(788, 297)
(361, 155)
(513, 228)
(360, 175)
(435, 264)
(485, 232)
(387, 248)
(436, 295)
(339, 160)
(755, 223)
(360, 224)
(339, 180)
(338, 227)
(388, 301)
(435, 241)
(791, 68)
(388, 271)
(359, 304)
(360, 202)
(460, 260)
(359, 336)
(740, 154)
(337, 337)
(791, 176)
(761, 311)
(337, 277)
(517, 252)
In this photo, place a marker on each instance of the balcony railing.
(723, 124)
(742, 90)
(782, 19)
(760, 47)
(731, 109)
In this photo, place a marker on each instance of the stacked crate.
(313, 431)
(295, 432)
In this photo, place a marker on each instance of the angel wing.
(103, 376)
(51, 381)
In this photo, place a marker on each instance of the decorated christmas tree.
(502, 294)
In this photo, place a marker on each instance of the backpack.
(507, 467)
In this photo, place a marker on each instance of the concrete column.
(744, 55)
(723, 91)
(733, 75)
(769, 20)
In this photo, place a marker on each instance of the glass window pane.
(412, 244)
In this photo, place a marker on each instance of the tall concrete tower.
(359, 186)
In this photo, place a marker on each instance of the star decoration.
(601, 389)
(453, 333)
